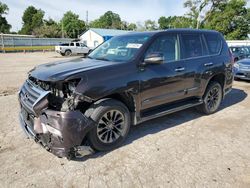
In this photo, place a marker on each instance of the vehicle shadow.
(171, 120)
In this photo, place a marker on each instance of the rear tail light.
(231, 56)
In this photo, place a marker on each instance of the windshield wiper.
(102, 58)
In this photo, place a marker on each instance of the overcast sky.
(129, 10)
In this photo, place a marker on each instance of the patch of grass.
(28, 48)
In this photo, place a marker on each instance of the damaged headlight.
(70, 102)
(72, 84)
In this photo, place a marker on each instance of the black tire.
(89, 51)
(97, 112)
(68, 53)
(236, 79)
(212, 98)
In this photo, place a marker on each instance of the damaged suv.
(88, 105)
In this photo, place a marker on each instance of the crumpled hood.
(62, 69)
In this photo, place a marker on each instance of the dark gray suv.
(89, 104)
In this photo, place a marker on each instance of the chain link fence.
(28, 43)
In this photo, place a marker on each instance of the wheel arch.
(126, 98)
(220, 78)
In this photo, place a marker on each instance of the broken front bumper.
(61, 133)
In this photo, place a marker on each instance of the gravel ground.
(184, 149)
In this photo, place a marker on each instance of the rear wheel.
(212, 98)
(68, 53)
(112, 124)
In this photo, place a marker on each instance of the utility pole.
(62, 30)
(87, 19)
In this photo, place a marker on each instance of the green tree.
(109, 20)
(140, 26)
(181, 22)
(132, 27)
(32, 19)
(174, 22)
(128, 26)
(71, 24)
(165, 22)
(150, 25)
(4, 26)
(195, 9)
(199, 10)
(231, 19)
(50, 29)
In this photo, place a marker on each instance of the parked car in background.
(90, 104)
(242, 69)
(68, 49)
(247, 50)
(239, 52)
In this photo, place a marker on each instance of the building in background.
(94, 37)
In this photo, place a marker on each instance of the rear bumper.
(59, 132)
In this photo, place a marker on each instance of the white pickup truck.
(68, 49)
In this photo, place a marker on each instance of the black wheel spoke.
(213, 98)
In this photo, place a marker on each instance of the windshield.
(121, 48)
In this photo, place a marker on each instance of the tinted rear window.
(64, 44)
(192, 45)
(214, 43)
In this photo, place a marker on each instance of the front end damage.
(50, 115)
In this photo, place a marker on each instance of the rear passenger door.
(196, 59)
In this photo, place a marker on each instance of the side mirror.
(154, 58)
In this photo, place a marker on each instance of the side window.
(77, 44)
(71, 44)
(214, 43)
(192, 45)
(167, 45)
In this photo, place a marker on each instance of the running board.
(170, 110)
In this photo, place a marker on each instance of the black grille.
(30, 95)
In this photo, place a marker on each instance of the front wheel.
(112, 124)
(212, 98)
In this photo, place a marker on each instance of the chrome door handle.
(180, 69)
(208, 64)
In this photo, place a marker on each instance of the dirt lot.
(184, 149)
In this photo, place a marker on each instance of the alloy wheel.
(213, 98)
(111, 126)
